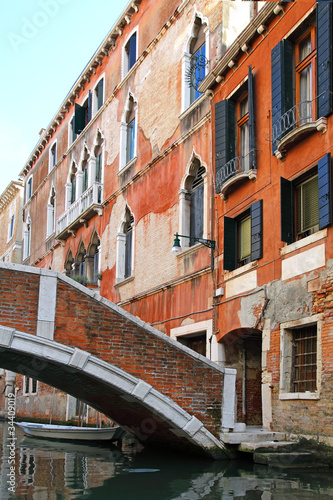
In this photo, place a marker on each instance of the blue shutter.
(89, 107)
(230, 244)
(100, 93)
(256, 230)
(287, 211)
(132, 51)
(79, 119)
(252, 137)
(282, 82)
(324, 58)
(324, 191)
(224, 133)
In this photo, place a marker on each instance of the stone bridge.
(63, 334)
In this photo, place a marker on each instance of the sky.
(44, 46)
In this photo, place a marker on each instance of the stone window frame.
(53, 155)
(286, 330)
(51, 222)
(130, 107)
(121, 248)
(125, 56)
(30, 384)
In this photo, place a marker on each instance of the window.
(80, 264)
(197, 206)
(195, 61)
(69, 264)
(125, 240)
(306, 202)
(27, 238)
(192, 206)
(198, 61)
(51, 214)
(29, 189)
(243, 237)
(53, 156)
(130, 54)
(130, 140)
(300, 358)
(98, 95)
(92, 259)
(11, 227)
(304, 355)
(301, 78)
(82, 115)
(30, 385)
(128, 131)
(85, 177)
(71, 185)
(195, 341)
(235, 135)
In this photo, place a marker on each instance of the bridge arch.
(60, 332)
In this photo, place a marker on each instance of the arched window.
(128, 139)
(195, 61)
(192, 206)
(92, 259)
(72, 179)
(69, 264)
(80, 265)
(27, 238)
(125, 244)
(51, 213)
(130, 53)
(197, 206)
(85, 171)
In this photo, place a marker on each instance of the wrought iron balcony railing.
(92, 197)
(238, 165)
(298, 115)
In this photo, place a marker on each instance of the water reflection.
(52, 470)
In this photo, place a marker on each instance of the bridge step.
(252, 437)
(267, 446)
(292, 460)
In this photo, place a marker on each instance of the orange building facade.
(272, 119)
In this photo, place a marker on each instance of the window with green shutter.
(243, 237)
(306, 202)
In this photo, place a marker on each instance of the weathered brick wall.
(312, 417)
(19, 300)
(88, 324)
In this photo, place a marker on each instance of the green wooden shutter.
(256, 230)
(325, 191)
(252, 137)
(287, 211)
(79, 119)
(100, 93)
(224, 133)
(244, 238)
(324, 58)
(230, 244)
(282, 82)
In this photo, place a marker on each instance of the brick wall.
(90, 325)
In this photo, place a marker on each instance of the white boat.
(68, 432)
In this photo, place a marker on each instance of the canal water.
(48, 470)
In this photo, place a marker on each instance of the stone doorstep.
(292, 460)
(252, 437)
(267, 446)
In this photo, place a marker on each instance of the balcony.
(79, 212)
(236, 170)
(294, 125)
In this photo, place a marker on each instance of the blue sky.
(44, 46)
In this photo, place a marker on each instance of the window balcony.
(294, 125)
(80, 211)
(236, 170)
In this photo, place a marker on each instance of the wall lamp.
(176, 244)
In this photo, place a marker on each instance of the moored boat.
(68, 432)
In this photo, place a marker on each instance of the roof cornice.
(255, 28)
(10, 193)
(107, 45)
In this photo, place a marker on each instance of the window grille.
(304, 359)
